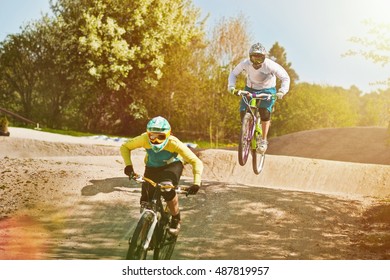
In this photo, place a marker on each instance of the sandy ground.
(65, 197)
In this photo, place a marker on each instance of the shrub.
(4, 126)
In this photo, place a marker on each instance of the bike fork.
(257, 133)
(151, 230)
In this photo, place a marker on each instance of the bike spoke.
(258, 160)
(165, 249)
(245, 139)
(136, 245)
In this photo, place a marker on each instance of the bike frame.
(250, 127)
(152, 228)
(156, 206)
(253, 109)
(157, 212)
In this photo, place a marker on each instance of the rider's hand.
(129, 170)
(249, 94)
(232, 90)
(279, 95)
(192, 190)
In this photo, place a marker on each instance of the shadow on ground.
(243, 222)
(221, 222)
(107, 186)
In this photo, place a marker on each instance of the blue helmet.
(158, 130)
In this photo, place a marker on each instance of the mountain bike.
(151, 232)
(251, 132)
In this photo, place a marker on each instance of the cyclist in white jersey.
(261, 74)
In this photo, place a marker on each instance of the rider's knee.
(265, 115)
(169, 196)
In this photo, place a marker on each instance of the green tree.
(230, 41)
(375, 109)
(95, 63)
(61, 73)
(181, 85)
(313, 106)
(125, 44)
(374, 46)
(278, 53)
(229, 44)
(18, 71)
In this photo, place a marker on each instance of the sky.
(314, 33)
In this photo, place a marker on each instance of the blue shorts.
(268, 104)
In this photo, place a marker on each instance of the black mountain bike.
(251, 132)
(152, 232)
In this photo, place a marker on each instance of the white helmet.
(257, 54)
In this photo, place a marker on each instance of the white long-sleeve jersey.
(262, 78)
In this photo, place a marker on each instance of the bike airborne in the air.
(251, 132)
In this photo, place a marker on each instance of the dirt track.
(70, 201)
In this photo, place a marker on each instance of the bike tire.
(245, 142)
(258, 160)
(164, 250)
(136, 243)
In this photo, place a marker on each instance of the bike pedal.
(260, 151)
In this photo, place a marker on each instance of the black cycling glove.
(192, 190)
(129, 171)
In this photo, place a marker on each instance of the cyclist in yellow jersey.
(165, 156)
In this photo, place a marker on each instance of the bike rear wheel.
(136, 244)
(258, 160)
(245, 139)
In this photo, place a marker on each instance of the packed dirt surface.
(354, 144)
(322, 195)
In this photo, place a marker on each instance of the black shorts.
(171, 172)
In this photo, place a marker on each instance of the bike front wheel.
(258, 160)
(137, 242)
(164, 250)
(245, 139)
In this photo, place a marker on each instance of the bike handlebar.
(263, 96)
(141, 179)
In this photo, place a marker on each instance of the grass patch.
(67, 132)
(207, 145)
(201, 143)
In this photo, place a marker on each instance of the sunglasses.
(257, 58)
(157, 138)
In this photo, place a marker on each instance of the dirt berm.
(295, 173)
(323, 194)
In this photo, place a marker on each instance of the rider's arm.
(188, 156)
(126, 148)
(282, 74)
(233, 75)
